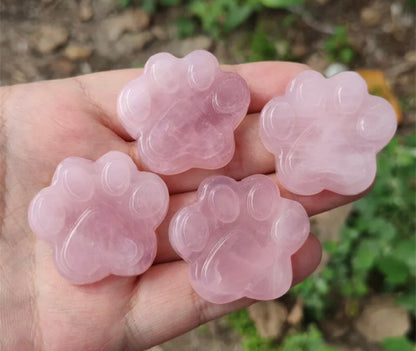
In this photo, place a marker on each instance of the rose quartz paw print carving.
(183, 112)
(238, 238)
(100, 217)
(325, 133)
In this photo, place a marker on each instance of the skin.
(43, 123)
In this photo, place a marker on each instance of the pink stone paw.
(100, 217)
(183, 112)
(325, 133)
(238, 238)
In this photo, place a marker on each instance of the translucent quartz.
(325, 133)
(183, 112)
(100, 217)
(238, 238)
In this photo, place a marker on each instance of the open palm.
(43, 123)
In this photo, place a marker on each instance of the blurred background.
(363, 296)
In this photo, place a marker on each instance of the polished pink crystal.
(100, 217)
(238, 238)
(183, 112)
(325, 133)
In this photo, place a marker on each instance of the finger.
(165, 305)
(313, 205)
(321, 202)
(102, 90)
(265, 79)
(306, 259)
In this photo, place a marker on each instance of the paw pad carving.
(325, 133)
(183, 112)
(100, 217)
(238, 238)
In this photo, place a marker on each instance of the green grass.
(400, 343)
(215, 17)
(308, 340)
(338, 47)
(252, 341)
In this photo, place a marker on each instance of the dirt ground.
(44, 39)
(48, 39)
(88, 36)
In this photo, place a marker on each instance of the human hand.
(43, 123)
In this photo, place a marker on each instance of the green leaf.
(382, 228)
(252, 341)
(262, 48)
(237, 16)
(405, 251)
(411, 4)
(356, 286)
(281, 3)
(347, 55)
(395, 271)
(198, 8)
(149, 5)
(310, 340)
(185, 27)
(400, 343)
(330, 246)
(366, 254)
(170, 2)
(209, 14)
(408, 301)
(338, 47)
(125, 3)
